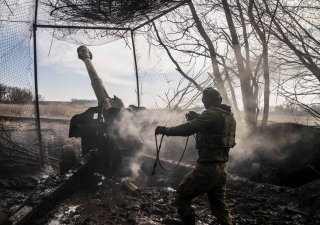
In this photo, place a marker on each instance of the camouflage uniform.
(209, 175)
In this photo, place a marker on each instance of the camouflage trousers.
(207, 178)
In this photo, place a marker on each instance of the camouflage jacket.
(208, 127)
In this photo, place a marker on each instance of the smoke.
(138, 126)
(268, 143)
(267, 153)
(270, 148)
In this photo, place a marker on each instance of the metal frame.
(132, 30)
(135, 66)
(81, 27)
(35, 65)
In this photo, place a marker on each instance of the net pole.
(82, 27)
(136, 66)
(36, 80)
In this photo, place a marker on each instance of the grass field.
(60, 110)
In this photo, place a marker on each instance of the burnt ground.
(108, 202)
(105, 200)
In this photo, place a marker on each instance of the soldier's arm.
(181, 130)
(201, 122)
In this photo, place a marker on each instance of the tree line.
(15, 95)
(84, 101)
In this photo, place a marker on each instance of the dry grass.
(65, 110)
(61, 110)
(23, 110)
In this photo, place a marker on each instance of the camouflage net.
(18, 141)
(118, 13)
(116, 18)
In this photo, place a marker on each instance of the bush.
(15, 94)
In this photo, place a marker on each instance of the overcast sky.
(62, 76)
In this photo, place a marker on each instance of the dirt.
(105, 200)
(18, 188)
(108, 202)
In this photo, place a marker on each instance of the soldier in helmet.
(215, 133)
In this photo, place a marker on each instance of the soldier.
(215, 133)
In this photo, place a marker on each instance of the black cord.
(158, 156)
(158, 152)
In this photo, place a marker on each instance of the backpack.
(229, 128)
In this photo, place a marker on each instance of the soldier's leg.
(218, 206)
(217, 198)
(192, 185)
(186, 212)
(183, 200)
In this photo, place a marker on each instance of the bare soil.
(108, 203)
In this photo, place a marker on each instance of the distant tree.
(15, 94)
(19, 95)
(285, 108)
(3, 92)
(84, 101)
(41, 98)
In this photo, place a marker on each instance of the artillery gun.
(96, 126)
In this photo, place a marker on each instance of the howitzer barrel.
(102, 95)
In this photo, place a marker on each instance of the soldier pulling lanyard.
(158, 156)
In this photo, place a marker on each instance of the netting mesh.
(18, 127)
(88, 37)
(116, 13)
(120, 15)
(161, 85)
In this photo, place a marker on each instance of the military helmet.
(210, 96)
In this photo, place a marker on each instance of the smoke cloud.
(270, 148)
(140, 125)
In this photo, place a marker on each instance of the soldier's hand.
(191, 115)
(161, 130)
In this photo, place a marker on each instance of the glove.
(161, 130)
(191, 115)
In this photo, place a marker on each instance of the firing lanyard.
(158, 147)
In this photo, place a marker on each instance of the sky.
(62, 76)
